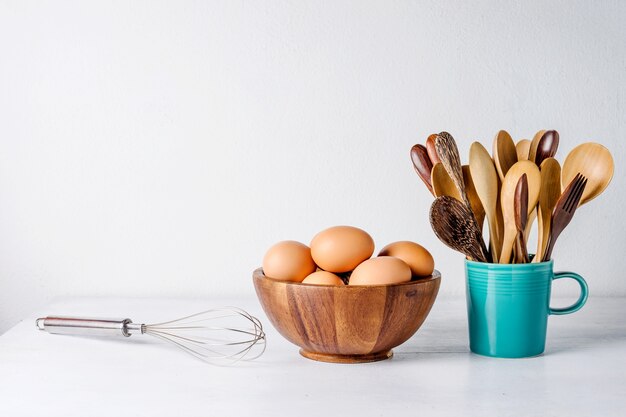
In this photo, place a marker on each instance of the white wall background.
(158, 148)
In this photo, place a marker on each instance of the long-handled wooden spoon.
(472, 195)
(564, 211)
(454, 225)
(504, 153)
(532, 152)
(432, 151)
(422, 165)
(449, 155)
(544, 144)
(485, 180)
(442, 183)
(548, 196)
(507, 197)
(522, 147)
(593, 161)
(547, 146)
(504, 156)
(521, 216)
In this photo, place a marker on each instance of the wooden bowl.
(346, 324)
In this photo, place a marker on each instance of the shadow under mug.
(508, 306)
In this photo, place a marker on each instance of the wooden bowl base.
(329, 357)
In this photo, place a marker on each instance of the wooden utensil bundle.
(509, 189)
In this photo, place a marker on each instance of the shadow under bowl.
(346, 324)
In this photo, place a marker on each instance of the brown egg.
(381, 271)
(341, 248)
(323, 278)
(288, 261)
(416, 257)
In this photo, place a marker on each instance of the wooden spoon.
(504, 156)
(507, 198)
(549, 141)
(449, 155)
(485, 180)
(547, 146)
(422, 165)
(532, 152)
(442, 183)
(432, 151)
(454, 225)
(548, 196)
(522, 147)
(472, 195)
(595, 163)
(544, 145)
(521, 217)
(504, 153)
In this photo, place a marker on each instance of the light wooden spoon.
(532, 156)
(504, 153)
(507, 199)
(442, 183)
(485, 180)
(504, 156)
(520, 205)
(522, 147)
(532, 151)
(548, 196)
(595, 163)
(477, 206)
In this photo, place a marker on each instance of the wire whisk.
(218, 336)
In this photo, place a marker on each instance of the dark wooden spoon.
(547, 147)
(521, 218)
(454, 225)
(432, 151)
(422, 165)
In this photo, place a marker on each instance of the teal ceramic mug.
(508, 306)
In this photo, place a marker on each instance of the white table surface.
(582, 373)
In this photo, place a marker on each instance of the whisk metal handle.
(88, 326)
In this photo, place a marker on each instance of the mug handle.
(584, 293)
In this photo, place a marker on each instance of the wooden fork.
(564, 211)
